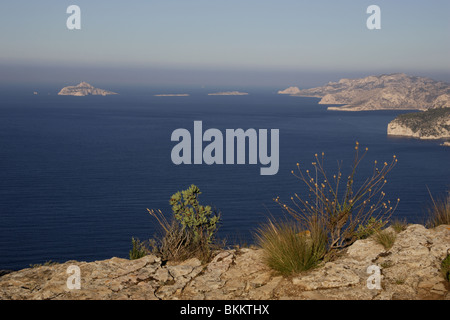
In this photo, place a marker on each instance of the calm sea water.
(77, 174)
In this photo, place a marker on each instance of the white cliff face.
(395, 128)
(385, 92)
(83, 89)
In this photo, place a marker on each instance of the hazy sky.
(227, 41)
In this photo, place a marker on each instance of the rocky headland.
(385, 92)
(83, 89)
(409, 270)
(430, 124)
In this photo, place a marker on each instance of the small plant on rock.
(371, 227)
(439, 212)
(445, 268)
(399, 225)
(198, 220)
(288, 249)
(138, 249)
(340, 203)
(385, 238)
(191, 231)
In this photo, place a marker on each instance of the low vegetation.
(439, 211)
(399, 225)
(288, 249)
(335, 213)
(372, 226)
(339, 206)
(189, 232)
(445, 268)
(45, 264)
(386, 238)
(426, 121)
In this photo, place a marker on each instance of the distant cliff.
(83, 89)
(430, 124)
(385, 92)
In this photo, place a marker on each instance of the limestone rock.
(431, 124)
(409, 270)
(385, 92)
(290, 90)
(83, 89)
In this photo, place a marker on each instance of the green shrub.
(445, 268)
(138, 249)
(198, 220)
(190, 232)
(288, 249)
(371, 227)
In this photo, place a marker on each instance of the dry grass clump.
(289, 249)
(386, 238)
(399, 225)
(439, 212)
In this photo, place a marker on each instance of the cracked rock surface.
(409, 270)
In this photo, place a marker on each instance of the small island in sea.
(83, 89)
(172, 95)
(228, 93)
(396, 91)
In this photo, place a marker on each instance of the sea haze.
(77, 173)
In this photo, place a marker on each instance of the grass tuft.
(385, 238)
(439, 212)
(289, 249)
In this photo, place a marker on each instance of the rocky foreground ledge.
(409, 270)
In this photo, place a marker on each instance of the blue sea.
(77, 174)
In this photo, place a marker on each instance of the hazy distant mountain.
(290, 90)
(394, 92)
(83, 89)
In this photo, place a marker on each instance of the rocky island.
(228, 93)
(83, 89)
(430, 124)
(385, 92)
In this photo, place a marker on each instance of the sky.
(221, 42)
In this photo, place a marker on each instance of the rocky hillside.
(385, 92)
(83, 89)
(431, 124)
(409, 270)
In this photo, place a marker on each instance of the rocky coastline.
(409, 270)
(396, 91)
(433, 124)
